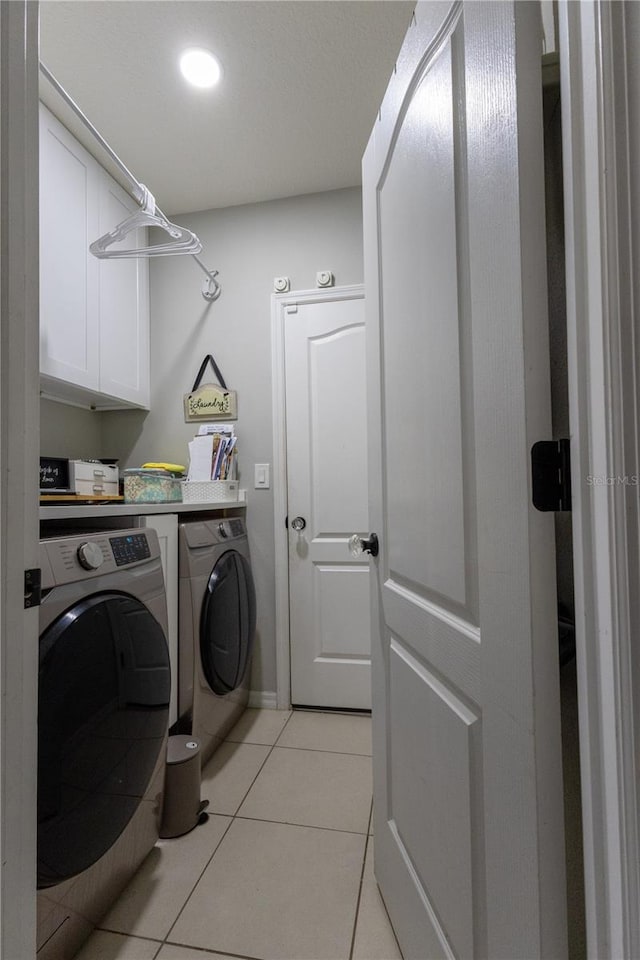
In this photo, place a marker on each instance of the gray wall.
(67, 431)
(249, 245)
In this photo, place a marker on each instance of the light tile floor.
(282, 870)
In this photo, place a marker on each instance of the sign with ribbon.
(210, 401)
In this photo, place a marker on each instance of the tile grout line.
(370, 838)
(359, 897)
(275, 746)
(304, 826)
(213, 852)
(119, 933)
(336, 753)
(187, 946)
(391, 927)
(160, 946)
(206, 952)
(233, 817)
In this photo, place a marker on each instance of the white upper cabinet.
(94, 314)
(69, 191)
(123, 308)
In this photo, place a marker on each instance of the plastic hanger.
(182, 241)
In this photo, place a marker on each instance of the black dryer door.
(103, 710)
(228, 623)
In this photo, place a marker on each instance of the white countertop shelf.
(68, 511)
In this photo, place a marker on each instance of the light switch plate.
(262, 481)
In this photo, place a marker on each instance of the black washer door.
(228, 623)
(103, 711)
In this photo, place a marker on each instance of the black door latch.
(551, 475)
(32, 588)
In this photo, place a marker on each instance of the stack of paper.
(225, 429)
(212, 454)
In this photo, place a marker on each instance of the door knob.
(359, 545)
(298, 524)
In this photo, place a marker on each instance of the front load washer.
(103, 707)
(217, 624)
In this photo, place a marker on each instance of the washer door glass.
(228, 623)
(103, 712)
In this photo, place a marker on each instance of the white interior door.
(325, 384)
(467, 772)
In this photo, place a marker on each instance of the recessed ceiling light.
(200, 67)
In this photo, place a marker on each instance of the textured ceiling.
(302, 83)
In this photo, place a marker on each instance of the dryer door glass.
(103, 709)
(228, 623)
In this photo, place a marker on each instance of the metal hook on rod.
(211, 289)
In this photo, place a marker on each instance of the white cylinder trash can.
(182, 809)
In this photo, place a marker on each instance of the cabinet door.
(124, 305)
(68, 276)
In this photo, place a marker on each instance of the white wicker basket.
(209, 491)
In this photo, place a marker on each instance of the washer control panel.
(71, 559)
(129, 549)
(208, 533)
(231, 528)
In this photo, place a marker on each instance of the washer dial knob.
(90, 555)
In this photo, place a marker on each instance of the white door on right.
(329, 589)
(469, 850)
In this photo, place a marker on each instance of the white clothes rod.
(211, 289)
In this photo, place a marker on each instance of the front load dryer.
(217, 624)
(103, 708)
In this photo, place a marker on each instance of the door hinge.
(32, 587)
(551, 475)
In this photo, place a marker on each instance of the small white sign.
(210, 402)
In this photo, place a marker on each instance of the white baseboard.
(263, 699)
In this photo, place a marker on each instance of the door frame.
(590, 71)
(19, 446)
(597, 99)
(279, 304)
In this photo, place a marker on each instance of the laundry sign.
(210, 401)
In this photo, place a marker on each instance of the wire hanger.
(182, 240)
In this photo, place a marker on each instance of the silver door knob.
(298, 524)
(359, 545)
